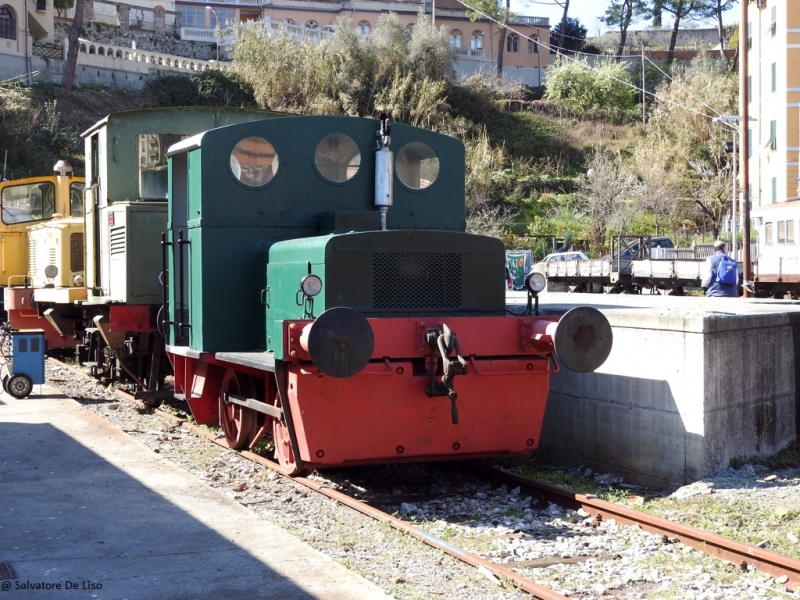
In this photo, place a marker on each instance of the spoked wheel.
(19, 386)
(240, 424)
(284, 453)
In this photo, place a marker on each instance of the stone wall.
(141, 40)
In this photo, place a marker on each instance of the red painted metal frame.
(383, 415)
(130, 317)
(22, 315)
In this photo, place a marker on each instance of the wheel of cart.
(23, 360)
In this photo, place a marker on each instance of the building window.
(194, 16)
(455, 38)
(790, 232)
(749, 36)
(200, 17)
(781, 232)
(8, 24)
(768, 234)
(773, 26)
(533, 46)
(512, 43)
(775, 195)
(773, 69)
(312, 25)
(363, 28)
(773, 135)
(477, 40)
(749, 89)
(329, 28)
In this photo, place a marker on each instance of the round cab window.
(254, 161)
(337, 158)
(417, 165)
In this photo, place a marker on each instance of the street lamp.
(733, 123)
(216, 18)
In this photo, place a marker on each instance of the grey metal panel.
(131, 251)
(264, 361)
(145, 222)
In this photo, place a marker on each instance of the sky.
(588, 12)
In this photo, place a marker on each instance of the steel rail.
(537, 591)
(741, 554)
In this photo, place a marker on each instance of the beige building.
(477, 43)
(21, 23)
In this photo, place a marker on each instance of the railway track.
(597, 511)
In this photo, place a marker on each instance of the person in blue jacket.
(711, 283)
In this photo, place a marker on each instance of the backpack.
(726, 271)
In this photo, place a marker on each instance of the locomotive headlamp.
(77, 280)
(535, 282)
(311, 285)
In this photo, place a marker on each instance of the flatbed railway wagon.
(322, 291)
(668, 269)
(95, 277)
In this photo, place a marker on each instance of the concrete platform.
(690, 384)
(85, 506)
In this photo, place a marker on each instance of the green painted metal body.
(120, 194)
(385, 273)
(115, 141)
(248, 247)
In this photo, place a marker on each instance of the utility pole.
(734, 123)
(744, 159)
(644, 90)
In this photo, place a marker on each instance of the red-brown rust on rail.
(536, 590)
(718, 546)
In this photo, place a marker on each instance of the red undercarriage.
(382, 414)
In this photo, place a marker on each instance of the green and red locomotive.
(320, 287)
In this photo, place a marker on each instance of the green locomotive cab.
(256, 207)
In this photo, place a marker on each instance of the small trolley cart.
(23, 360)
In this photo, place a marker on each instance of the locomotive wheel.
(19, 386)
(240, 424)
(283, 446)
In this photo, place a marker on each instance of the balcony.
(532, 21)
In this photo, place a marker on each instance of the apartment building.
(773, 45)
(773, 97)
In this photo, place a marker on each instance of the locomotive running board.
(255, 405)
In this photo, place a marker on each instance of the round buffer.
(340, 342)
(583, 339)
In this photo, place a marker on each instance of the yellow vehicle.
(28, 203)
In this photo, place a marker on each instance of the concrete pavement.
(88, 512)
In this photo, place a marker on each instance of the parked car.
(541, 266)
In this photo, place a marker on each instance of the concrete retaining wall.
(685, 389)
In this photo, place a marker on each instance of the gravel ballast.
(560, 549)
